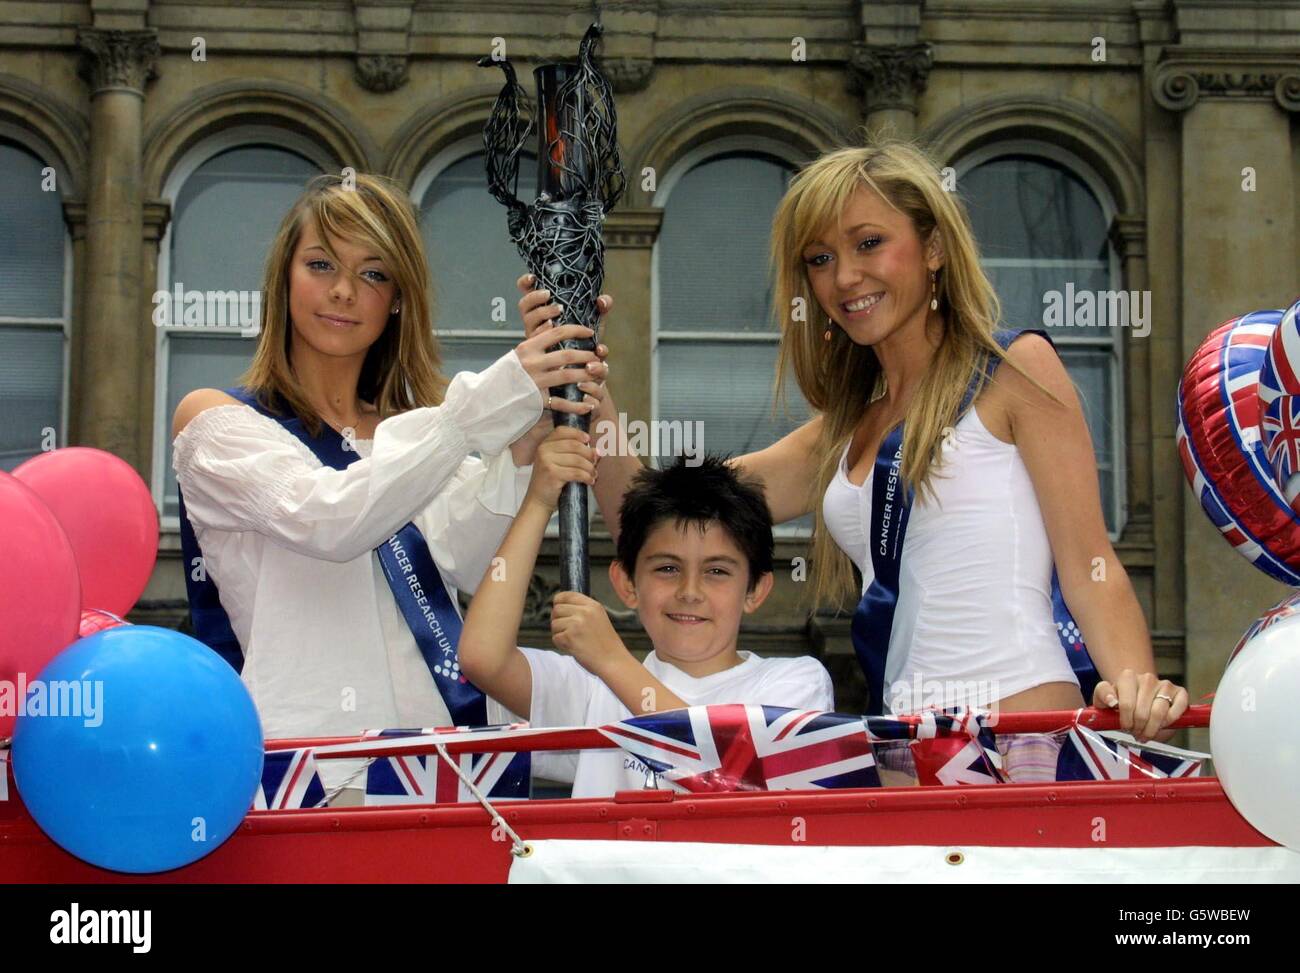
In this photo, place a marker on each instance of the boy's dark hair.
(711, 492)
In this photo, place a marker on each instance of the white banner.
(602, 862)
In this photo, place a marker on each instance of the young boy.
(694, 555)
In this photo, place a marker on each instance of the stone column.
(1238, 253)
(156, 214)
(1128, 236)
(890, 78)
(630, 236)
(116, 64)
(74, 214)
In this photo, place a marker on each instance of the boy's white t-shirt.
(566, 694)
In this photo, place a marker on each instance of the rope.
(520, 848)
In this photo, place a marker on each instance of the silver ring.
(1167, 699)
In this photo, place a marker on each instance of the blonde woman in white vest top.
(897, 318)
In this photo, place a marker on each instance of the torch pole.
(557, 159)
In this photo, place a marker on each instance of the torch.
(579, 180)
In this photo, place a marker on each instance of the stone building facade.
(1169, 128)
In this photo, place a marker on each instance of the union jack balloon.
(1288, 606)
(1279, 404)
(1237, 432)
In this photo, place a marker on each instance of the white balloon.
(1253, 732)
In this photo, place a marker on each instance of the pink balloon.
(93, 620)
(40, 593)
(109, 517)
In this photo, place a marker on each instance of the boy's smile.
(690, 591)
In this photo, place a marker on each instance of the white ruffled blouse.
(290, 545)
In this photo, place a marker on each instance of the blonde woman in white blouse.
(346, 340)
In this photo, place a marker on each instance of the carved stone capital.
(627, 73)
(890, 75)
(118, 58)
(1287, 91)
(1178, 82)
(381, 73)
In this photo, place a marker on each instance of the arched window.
(1042, 218)
(228, 201)
(34, 285)
(472, 260)
(715, 340)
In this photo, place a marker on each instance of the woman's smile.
(338, 321)
(860, 308)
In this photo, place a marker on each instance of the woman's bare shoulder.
(200, 400)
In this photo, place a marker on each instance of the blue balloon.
(140, 750)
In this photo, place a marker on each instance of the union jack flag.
(427, 779)
(290, 780)
(956, 748)
(750, 748)
(1087, 755)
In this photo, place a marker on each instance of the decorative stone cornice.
(118, 59)
(1128, 234)
(627, 74)
(890, 75)
(635, 229)
(74, 214)
(157, 214)
(1183, 78)
(381, 73)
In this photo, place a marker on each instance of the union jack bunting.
(1087, 755)
(956, 748)
(290, 780)
(427, 779)
(750, 748)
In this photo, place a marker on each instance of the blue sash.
(874, 619)
(417, 586)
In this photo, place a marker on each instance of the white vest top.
(974, 621)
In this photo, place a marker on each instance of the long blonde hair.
(402, 368)
(838, 377)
